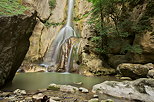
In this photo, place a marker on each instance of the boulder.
(63, 88)
(19, 92)
(151, 73)
(141, 89)
(14, 43)
(133, 70)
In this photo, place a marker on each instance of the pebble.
(84, 90)
(95, 96)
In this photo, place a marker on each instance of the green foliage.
(133, 49)
(52, 3)
(109, 21)
(49, 24)
(11, 7)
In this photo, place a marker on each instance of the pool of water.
(40, 80)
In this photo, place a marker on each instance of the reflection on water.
(34, 81)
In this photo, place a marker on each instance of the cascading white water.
(54, 54)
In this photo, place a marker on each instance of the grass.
(11, 7)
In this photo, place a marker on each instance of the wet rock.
(133, 70)
(94, 100)
(141, 89)
(19, 92)
(84, 90)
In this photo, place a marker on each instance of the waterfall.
(60, 51)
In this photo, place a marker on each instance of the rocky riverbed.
(54, 93)
(140, 90)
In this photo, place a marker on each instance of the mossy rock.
(54, 87)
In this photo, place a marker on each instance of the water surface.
(41, 80)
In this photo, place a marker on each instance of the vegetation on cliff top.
(11, 7)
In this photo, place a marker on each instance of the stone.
(140, 89)
(54, 87)
(28, 99)
(14, 34)
(51, 100)
(83, 90)
(38, 96)
(55, 98)
(125, 78)
(63, 88)
(95, 96)
(151, 73)
(108, 100)
(133, 70)
(19, 92)
(150, 66)
(68, 88)
(94, 100)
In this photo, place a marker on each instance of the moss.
(54, 88)
(52, 3)
(11, 7)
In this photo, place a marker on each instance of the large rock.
(133, 70)
(139, 90)
(14, 43)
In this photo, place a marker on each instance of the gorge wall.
(48, 26)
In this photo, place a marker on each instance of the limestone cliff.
(48, 25)
(14, 34)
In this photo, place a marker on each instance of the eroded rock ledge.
(141, 90)
(14, 43)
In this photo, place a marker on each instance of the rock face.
(133, 70)
(139, 14)
(14, 34)
(139, 90)
(48, 25)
